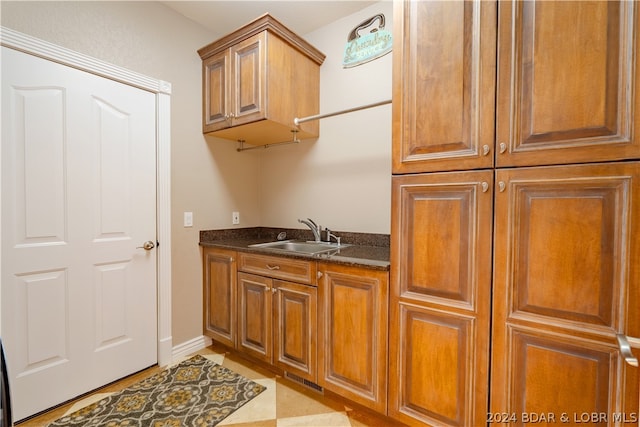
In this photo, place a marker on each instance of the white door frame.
(43, 49)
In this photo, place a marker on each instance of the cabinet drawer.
(277, 267)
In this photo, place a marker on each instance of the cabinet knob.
(501, 186)
(503, 147)
(485, 186)
(485, 149)
(319, 274)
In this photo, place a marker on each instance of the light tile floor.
(283, 404)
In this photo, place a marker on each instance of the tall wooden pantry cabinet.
(515, 282)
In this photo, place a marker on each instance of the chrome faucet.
(313, 227)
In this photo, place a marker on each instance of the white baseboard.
(191, 346)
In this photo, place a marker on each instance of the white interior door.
(78, 199)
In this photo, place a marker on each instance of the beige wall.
(342, 179)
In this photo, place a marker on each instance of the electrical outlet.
(235, 218)
(188, 219)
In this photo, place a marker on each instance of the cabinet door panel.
(249, 71)
(568, 86)
(254, 311)
(444, 85)
(549, 374)
(442, 393)
(220, 295)
(295, 328)
(215, 106)
(353, 335)
(440, 297)
(564, 249)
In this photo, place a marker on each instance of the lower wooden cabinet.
(353, 333)
(277, 323)
(219, 295)
(334, 334)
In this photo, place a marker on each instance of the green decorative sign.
(363, 46)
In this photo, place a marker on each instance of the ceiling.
(301, 16)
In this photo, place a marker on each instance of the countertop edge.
(354, 255)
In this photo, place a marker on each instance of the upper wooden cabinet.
(443, 85)
(568, 82)
(256, 80)
(565, 91)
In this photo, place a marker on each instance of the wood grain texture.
(295, 328)
(353, 333)
(443, 85)
(565, 283)
(219, 295)
(440, 297)
(255, 83)
(567, 82)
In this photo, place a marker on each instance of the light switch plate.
(188, 219)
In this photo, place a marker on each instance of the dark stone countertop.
(365, 250)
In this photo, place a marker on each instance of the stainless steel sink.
(300, 246)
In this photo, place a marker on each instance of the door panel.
(575, 376)
(441, 297)
(446, 375)
(444, 85)
(249, 65)
(216, 83)
(220, 322)
(78, 198)
(255, 316)
(548, 113)
(353, 338)
(295, 325)
(565, 284)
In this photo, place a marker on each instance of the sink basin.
(300, 246)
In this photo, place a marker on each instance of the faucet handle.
(330, 235)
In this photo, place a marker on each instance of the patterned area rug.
(196, 392)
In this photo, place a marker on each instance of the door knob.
(147, 246)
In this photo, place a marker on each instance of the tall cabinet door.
(568, 82)
(567, 283)
(444, 85)
(440, 298)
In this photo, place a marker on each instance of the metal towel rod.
(297, 120)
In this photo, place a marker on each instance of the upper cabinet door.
(568, 82)
(444, 85)
(249, 79)
(215, 105)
